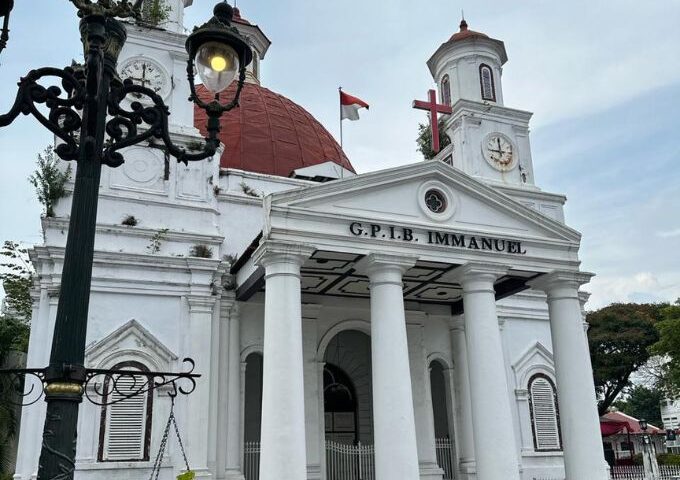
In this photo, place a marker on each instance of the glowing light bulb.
(218, 63)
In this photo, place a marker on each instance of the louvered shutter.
(544, 415)
(487, 83)
(126, 421)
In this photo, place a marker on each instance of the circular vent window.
(435, 201)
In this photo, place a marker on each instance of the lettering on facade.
(429, 237)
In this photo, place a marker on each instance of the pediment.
(398, 196)
(129, 340)
(536, 359)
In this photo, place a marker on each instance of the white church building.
(419, 322)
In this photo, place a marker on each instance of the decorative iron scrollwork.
(101, 386)
(63, 103)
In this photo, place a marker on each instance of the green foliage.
(668, 459)
(17, 278)
(201, 251)
(643, 402)
(619, 338)
(155, 12)
(157, 240)
(424, 140)
(49, 180)
(668, 347)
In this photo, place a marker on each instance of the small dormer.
(468, 66)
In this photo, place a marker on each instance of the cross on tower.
(434, 108)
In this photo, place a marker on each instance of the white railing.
(349, 462)
(444, 449)
(251, 460)
(637, 472)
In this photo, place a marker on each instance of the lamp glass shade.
(643, 424)
(217, 64)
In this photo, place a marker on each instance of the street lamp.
(649, 462)
(5, 9)
(643, 424)
(77, 115)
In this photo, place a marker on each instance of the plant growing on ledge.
(424, 139)
(248, 190)
(155, 12)
(49, 180)
(156, 241)
(130, 221)
(201, 251)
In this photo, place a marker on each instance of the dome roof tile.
(268, 133)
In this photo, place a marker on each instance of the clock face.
(499, 151)
(146, 73)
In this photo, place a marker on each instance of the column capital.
(272, 252)
(474, 271)
(560, 279)
(457, 324)
(200, 303)
(375, 264)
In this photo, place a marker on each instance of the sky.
(602, 78)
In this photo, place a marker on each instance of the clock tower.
(489, 140)
(154, 56)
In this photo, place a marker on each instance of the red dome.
(466, 33)
(269, 133)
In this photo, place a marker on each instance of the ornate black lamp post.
(5, 9)
(95, 115)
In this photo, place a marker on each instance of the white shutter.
(487, 84)
(544, 415)
(125, 433)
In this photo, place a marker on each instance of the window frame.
(147, 424)
(483, 66)
(532, 379)
(445, 86)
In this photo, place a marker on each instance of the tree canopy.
(424, 139)
(643, 402)
(668, 348)
(619, 338)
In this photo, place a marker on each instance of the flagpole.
(340, 108)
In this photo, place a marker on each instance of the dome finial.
(463, 23)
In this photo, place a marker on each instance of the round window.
(435, 201)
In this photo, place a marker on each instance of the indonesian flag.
(349, 106)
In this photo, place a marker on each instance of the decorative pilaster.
(233, 437)
(491, 412)
(422, 401)
(396, 453)
(199, 342)
(315, 438)
(583, 452)
(283, 396)
(464, 429)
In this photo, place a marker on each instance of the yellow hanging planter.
(188, 475)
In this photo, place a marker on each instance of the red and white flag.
(349, 106)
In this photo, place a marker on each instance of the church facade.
(420, 322)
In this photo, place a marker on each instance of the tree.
(17, 278)
(668, 348)
(49, 180)
(424, 139)
(619, 338)
(643, 402)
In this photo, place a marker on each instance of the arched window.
(125, 427)
(446, 90)
(545, 422)
(486, 82)
(340, 405)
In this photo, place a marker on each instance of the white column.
(198, 346)
(315, 440)
(396, 454)
(494, 439)
(283, 395)
(422, 403)
(234, 436)
(464, 429)
(583, 452)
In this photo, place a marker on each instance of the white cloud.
(641, 287)
(669, 233)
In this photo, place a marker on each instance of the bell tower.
(489, 140)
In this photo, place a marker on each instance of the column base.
(430, 471)
(313, 472)
(468, 470)
(234, 475)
